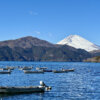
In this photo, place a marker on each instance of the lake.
(82, 84)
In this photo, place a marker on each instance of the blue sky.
(50, 20)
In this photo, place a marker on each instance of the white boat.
(25, 68)
(11, 68)
(5, 72)
(33, 72)
(41, 68)
(30, 89)
(63, 70)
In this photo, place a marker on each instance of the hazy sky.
(51, 20)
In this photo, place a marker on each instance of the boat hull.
(33, 72)
(5, 72)
(47, 70)
(63, 71)
(14, 90)
(60, 71)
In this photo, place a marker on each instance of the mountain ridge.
(34, 49)
(26, 42)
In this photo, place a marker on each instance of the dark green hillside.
(38, 53)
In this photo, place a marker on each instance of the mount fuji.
(78, 42)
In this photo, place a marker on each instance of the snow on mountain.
(79, 43)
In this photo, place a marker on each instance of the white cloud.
(37, 32)
(30, 12)
(33, 13)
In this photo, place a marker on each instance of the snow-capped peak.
(78, 42)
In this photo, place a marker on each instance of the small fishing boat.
(29, 89)
(63, 71)
(33, 72)
(25, 68)
(41, 68)
(5, 69)
(11, 68)
(59, 71)
(68, 70)
(5, 72)
(45, 70)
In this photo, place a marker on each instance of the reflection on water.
(83, 84)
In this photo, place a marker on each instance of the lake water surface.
(83, 84)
